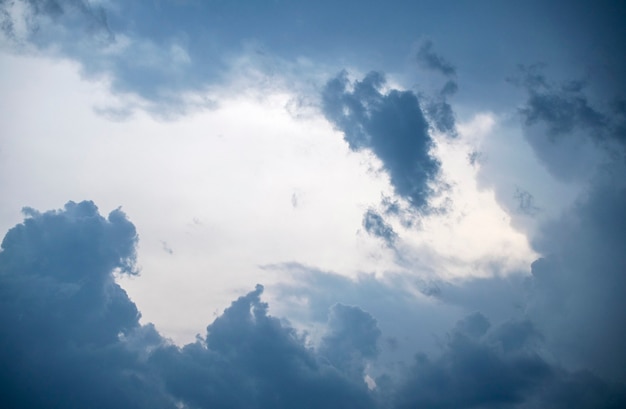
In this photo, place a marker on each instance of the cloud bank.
(72, 338)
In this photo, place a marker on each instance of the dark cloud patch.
(441, 114)
(72, 337)
(391, 125)
(439, 111)
(475, 370)
(562, 108)
(428, 58)
(351, 339)
(375, 225)
(64, 317)
(572, 126)
(266, 360)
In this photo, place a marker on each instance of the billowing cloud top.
(69, 328)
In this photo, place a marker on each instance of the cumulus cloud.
(64, 317)
(476, 369)
(389, 124)
(72, 338)
(250, 359)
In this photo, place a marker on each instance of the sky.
(279, 204)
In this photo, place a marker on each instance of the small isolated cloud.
(375, 225)
(391, 125)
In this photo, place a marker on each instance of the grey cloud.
(570, 125)
(64, 316)
(266, 360)
(526, 202)
(72, 337)
(428, 58)
(441, 114)
(375, 225)
(474, 370)
(439, 110)
(577, 288)
(391, 125)
(352, 338)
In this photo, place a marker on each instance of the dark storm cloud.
(475, 369)
(252, 360)
(63, 316)
(71, 338)
(375, 225)
(389, 124)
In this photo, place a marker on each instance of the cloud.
(576, 296)
(64, 316)
(427, 58)
(572, 126)
(389, 124)
(375, 225)
(72, 338)
(476, 369)
(266, 360)
(440, 112)
(351, 338)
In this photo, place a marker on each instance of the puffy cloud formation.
(250, 359)
(389, 124)
(64, 317)
(72, 338)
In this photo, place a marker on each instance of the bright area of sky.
(212, 126)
